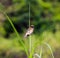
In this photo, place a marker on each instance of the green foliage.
(44, 15)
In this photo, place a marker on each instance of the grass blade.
(50, 49)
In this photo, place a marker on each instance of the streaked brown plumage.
(29, 31)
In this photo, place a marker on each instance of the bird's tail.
(26, 36)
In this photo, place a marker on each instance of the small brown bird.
(29, 31)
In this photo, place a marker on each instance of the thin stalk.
(30, 41)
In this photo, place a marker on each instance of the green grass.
(36, 42)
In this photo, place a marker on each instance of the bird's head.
(32, 26)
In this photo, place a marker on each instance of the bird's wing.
(28, 32)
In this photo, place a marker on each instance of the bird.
(29, 31)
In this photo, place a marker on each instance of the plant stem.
(30, 40)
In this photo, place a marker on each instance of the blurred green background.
(44, 15)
